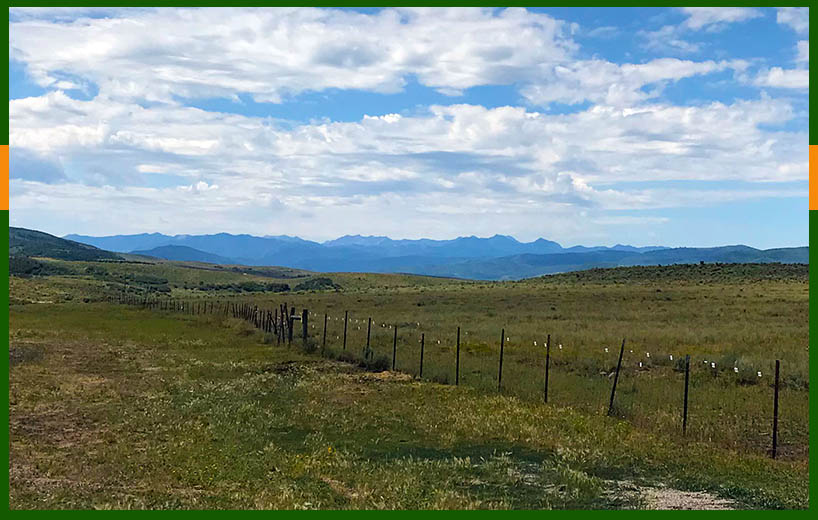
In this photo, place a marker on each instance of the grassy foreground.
(114, 407)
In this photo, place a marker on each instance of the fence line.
(280, 322)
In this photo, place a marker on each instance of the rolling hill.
(184, 253)
(27, 242)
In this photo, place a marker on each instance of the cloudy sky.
(585, 126)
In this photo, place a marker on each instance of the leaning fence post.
(346, 317)
(394, 346)
(687, 384)
(616, 377)
(547, 366)
(457, 360)
(422, 342)
(500, 372)
(775, 411)
(324, 341)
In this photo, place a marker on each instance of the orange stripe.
(813, 176)
(4, 158)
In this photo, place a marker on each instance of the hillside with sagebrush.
(27, 242)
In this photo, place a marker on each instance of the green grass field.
(204, 411)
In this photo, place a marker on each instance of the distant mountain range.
(499, 257)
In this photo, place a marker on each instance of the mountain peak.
(358, 240)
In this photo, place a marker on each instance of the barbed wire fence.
(280, 322)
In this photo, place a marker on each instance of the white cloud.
(716, 18)
(151, 168)
(779, 77)
(803, 52)
(795, 17)
(199, 187)
(671, 38)
(620, 85)
(274, 53)
(783, 78)
(516, 157)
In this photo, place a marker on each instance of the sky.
(665, 126)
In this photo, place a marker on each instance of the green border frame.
(813, 214)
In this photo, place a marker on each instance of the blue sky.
(679, 127)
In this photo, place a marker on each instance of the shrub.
(25, 267)
(317, 284)
(378, 364)
(346, 356)
(310, 345)
(747, 376)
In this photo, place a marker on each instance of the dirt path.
(666, 498)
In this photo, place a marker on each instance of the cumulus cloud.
(601, 81)
(797, 18)
(274, 53)
(778, 77)
(520, 151)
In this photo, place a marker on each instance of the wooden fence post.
(547, 366)
(290, 321)
(616, 377)
(324, 341)
(422, 342)
(368, 329)
(394, 347)
(500, 372)
(304, 319)
(775, 411)
(687, 385)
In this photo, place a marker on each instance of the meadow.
(740, 317)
